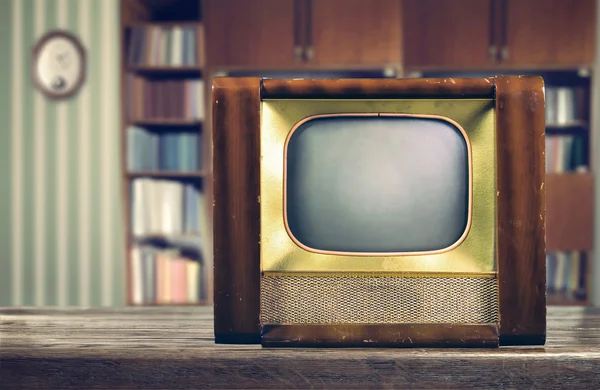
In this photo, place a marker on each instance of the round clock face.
(58, 65)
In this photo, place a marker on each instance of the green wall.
(61, 237)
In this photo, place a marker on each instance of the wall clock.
(58, 64)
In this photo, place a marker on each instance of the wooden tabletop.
(173, 347)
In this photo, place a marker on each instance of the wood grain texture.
(236, 207)
(173, 347)
(381, 335)
(543, 32)
(354, 32)
(378, 88)
(448, 33)
(521, 254)
(254, 34)
(569, 211)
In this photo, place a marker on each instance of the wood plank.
(559, 32)
(165, 122)
(173, 347)
(236, 205)
(521, 255)
(167, 174)
(570, 211)
(377, 88)
(448, 33)
(381, 335)
(353, 32)
(255, 34)
(174, 71)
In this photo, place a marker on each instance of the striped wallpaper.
(61, 240)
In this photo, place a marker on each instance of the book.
(175, 151)
(562, 106)
(566, 274)
(164, 276)
(165, 46)
(164, 99)
(565, 153)
(551, 105)
(136, 270)
(166, 207)
(193, 281)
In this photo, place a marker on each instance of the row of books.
(162, 276)
(173, 151)
(564, 105)
(165, 45)
(166, 207)
(566, 273)
(164, 99)
(565, 153)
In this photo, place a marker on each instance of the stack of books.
(172, 151)
(566, 273)
(166, 208)
(565, 153)
(563, 105)
(164, 276)
(164, 99)
(165, 45)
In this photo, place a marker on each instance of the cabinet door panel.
(251, 33)
(354, 32)
(550, 32)
(447, 33)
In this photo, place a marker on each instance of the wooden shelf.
(166, 122)
(199, 303)
(166, 236)
(415, 71)
(192, 71)
(167, 174)
(555, 299)
(184, 241)
(575, 125)
(166, 23)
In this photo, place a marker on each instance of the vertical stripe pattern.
(17, 153)
(64, 198)
(84, 164)
(39, 156)
(106, 129)
(62, 149)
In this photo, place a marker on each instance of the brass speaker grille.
(377, 300)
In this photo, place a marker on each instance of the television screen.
(376, 184)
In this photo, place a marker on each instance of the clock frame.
(51, 94)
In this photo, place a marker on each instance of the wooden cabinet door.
(448, 33)
(549, 32)
(251, 33)
(353, 32)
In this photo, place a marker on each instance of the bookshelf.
(165, 153)
(570, 183)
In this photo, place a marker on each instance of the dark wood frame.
(520, 143)
(36, 51)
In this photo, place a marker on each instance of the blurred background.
(104, 199)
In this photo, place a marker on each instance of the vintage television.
(379, 212)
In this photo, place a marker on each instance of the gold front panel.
(475, 254)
